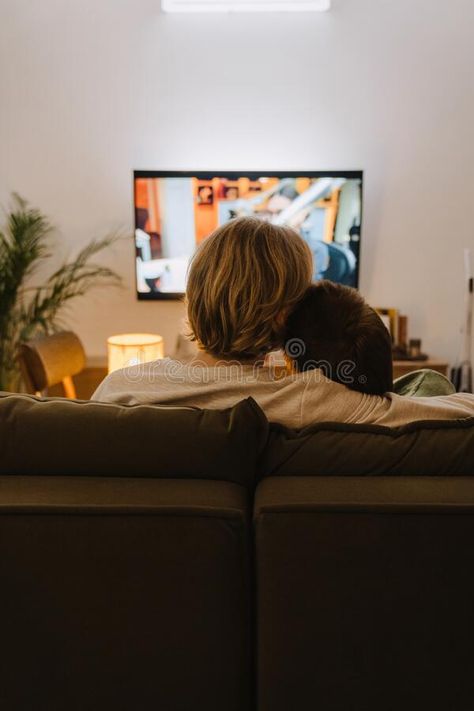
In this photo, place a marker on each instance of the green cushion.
(54, 436)
(429, 448)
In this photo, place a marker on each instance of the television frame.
(234, 175)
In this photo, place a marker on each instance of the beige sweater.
(293, 400)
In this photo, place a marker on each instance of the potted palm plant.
(28, 310)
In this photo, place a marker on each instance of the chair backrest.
(51, 360)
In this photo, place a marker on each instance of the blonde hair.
(243, 277)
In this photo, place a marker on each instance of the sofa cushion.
(364, 590)
(124, 594)
(54, 436)
(429, 448)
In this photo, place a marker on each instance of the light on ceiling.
(245, 5)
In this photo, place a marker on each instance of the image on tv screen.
(174, 213)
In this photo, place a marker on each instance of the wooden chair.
(50, 360)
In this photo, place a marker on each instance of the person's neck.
(209, 360)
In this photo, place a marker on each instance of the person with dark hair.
(334, 329)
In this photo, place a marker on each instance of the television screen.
(175, 212)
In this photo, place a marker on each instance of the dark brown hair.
(334, 329)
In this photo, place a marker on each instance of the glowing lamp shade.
(133, 348)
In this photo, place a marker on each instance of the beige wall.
(90, 89)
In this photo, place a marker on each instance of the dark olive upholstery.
(431, 448)
(365, 593)
(131, 578)
(124, 594)
(57, 436)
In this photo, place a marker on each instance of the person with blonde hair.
(244, 281)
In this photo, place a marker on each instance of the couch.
(178, 559)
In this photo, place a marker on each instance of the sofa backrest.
(429, 448)
(63, 437)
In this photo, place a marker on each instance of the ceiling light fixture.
(245, 5)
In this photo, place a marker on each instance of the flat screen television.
(175, 211)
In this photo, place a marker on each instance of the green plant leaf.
(25, 311)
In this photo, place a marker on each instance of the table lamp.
(129, 349)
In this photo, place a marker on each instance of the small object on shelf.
(461, 374)
(400, 348)
(402, 343)
(129, 349)
(404, 349)
(390, 319)
(414, 348)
